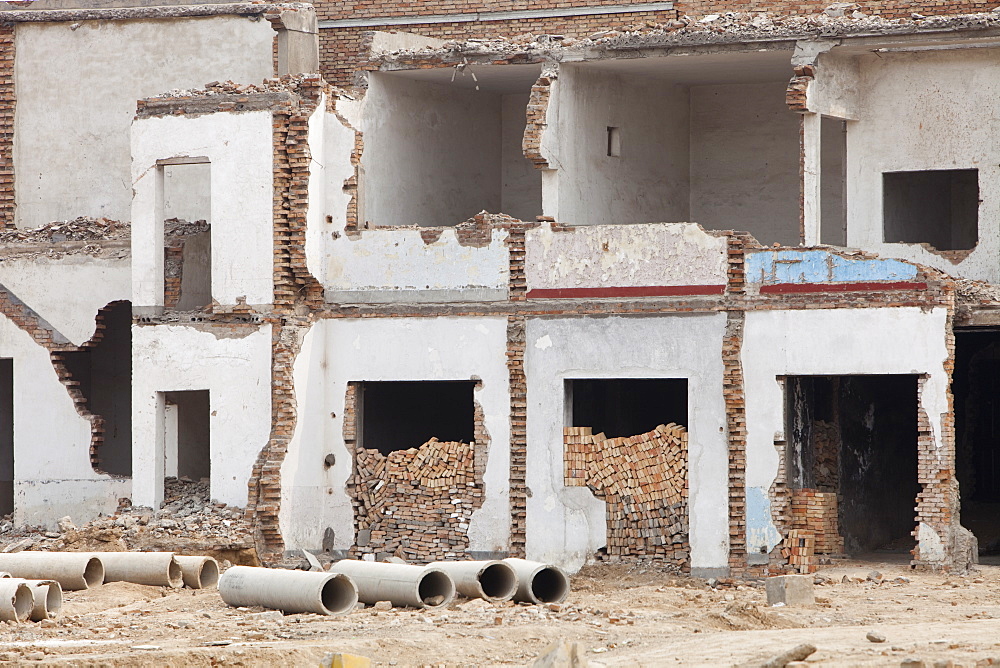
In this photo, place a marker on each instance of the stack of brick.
(417, 503)
(800, 551)
(816, 513)
(643, 480)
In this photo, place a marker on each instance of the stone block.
(790, 590)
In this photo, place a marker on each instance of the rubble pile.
(214, 88)
(188, 521)
(976, 292)
(79, 229)
(839, 19)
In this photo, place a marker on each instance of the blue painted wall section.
(762, 536)
(820, 266)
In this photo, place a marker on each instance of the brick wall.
(7, 126)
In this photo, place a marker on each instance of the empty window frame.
(936, 207)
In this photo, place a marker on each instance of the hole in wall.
(626, 406)
(99, 378)
(397, 415)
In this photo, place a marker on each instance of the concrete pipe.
(15, 600)
(288, 591)
(47, 599)
(490, 580)
(157, 569)
(400, 584)
(72, 570)
(199, 572)
(538, 582)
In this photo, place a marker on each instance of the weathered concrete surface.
(71, 125)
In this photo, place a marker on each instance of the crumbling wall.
(656, 260)
(643, 480)
(465, 263)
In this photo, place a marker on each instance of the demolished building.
(687, 292)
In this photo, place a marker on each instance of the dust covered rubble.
(837, 20)
(187, 521)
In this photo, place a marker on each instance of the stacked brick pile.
(643, 480)
(800, 551)
(416, 503)
(815, 529)
(816, 512)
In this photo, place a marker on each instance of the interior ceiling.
(688, 70)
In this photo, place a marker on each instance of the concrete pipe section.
(47, 599)
(72, 570)
(199, 572)
(288, 591)
(158, 569)
(400, 584)
(15, 600)
(538, 582)
(490, 580)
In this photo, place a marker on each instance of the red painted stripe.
(786, 288)
(637, 291)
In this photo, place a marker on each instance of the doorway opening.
(6, 436)
(852, 461)
(976, 391)
(187, 436)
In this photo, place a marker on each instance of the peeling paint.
(821, 266)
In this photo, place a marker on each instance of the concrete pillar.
(811, 172)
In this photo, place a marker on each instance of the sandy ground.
(621, 616)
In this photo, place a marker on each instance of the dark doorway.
(626, 406)
(976, 390)
(856, 437)
(188, 447)
(398, 415)
(6, 436)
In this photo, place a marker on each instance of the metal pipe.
(15, 600)
(199, 572)
(157, 569)
(72, 570)
(46, 597)
(400, 584)
(490, 580)
(538, 582)
(288, 591)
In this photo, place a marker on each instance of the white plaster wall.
(317, 229)
(53, 475)
(649, 181)
(828, 342)
(918, 111)
(335, 154)
(432, 152)
(239, 147)
(68, 291)
(745, 161)
(659, 254)
(566, 525)
(397, 265)
(237, 374)
(77, 85)
(338, 351)
(835, 89)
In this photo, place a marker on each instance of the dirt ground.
(621, 616)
